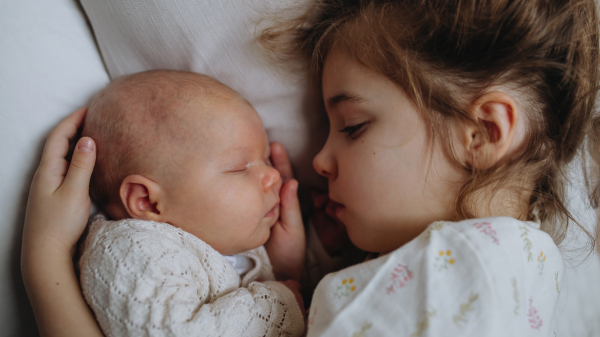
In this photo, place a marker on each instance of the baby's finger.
(290, 206)
(82, 165)
(281, 162)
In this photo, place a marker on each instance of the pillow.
(49, 66)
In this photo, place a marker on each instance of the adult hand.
(287, 244)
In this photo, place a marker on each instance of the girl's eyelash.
(353, 129)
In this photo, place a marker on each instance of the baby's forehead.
(169, 86)
(167, 99)
(171, 110)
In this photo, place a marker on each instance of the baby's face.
(227, 192)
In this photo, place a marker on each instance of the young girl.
(440, 111)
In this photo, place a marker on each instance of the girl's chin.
(365, 246)
(364, 239)
(358, 237)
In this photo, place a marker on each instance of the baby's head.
(185, 149)
(448, 109)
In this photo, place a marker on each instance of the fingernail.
(85, 144)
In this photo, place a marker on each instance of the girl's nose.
(325, 164)
(270, 178)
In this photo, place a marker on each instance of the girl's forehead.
(346, 81)
(341, 69)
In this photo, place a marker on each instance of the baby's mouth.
(271, 213)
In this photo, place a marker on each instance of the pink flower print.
(535, 321)
(400, 276)
(487, 229)
(311, 318)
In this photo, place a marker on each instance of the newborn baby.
(183, 168)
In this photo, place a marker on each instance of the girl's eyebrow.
(343, 97)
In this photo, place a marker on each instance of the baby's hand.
(294, 286)
(287, 245)
(330, 230)
(59, 202)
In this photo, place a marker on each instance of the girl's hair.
(443, 54)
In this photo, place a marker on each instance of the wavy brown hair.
(445, 53)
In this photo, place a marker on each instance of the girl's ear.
(488, 143)
(142, 198)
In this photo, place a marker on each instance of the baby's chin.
(266, 235)
(259, 240)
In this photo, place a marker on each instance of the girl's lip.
(334, 208)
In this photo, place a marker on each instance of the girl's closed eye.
(354, 131)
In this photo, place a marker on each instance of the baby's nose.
(270, 178)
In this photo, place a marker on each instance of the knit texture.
(145, 278)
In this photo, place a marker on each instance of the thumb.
(82, 165)
(290, 206)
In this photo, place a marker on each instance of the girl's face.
(388, 179)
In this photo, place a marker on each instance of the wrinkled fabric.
(480, 277)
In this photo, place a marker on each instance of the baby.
(183, 168)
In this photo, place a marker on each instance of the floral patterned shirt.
(480, 277)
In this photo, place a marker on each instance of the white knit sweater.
(144, 278)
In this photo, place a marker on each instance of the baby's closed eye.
(237, 168)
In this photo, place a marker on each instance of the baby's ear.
(141, 198)
(493, 137)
